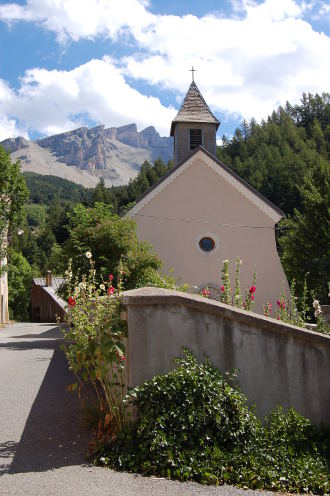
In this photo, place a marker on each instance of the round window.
(207, 244)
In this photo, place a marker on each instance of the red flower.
(252, 289)
(110, 277)
(252, 297)
(122, 358)
(111, 290)
(222, 288)
(283, 304)
(278, 303)
(71, 301)
(206, 292)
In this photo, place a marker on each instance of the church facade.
(202, 213)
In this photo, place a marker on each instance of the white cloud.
(55, 101)
(247, 63)
(76, 19)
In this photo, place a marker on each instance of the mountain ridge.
(84, 155)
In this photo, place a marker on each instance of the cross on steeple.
(192, 70)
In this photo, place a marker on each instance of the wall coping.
(159, 296)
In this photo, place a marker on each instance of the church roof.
(194, 109)
(256, 197)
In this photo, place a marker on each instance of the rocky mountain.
(84, 155)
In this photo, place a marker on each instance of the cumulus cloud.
(246, 65)
(76, 19)
(248, 62)
(56, 101)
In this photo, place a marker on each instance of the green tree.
(13, 194)
(19, 285)
(306, 239)
(101, 193)
(112, 241)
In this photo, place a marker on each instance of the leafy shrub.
(19, 285)
(194, 424)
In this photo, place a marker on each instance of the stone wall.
(278, 363)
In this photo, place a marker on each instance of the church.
(202, 213)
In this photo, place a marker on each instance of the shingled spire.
(194, 125)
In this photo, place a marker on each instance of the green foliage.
(35, 215)
(305, 241)
(44, 189)
(19, 284)
(194, 424)
(275, 155)
(113, 242)
(13, 193)
(95, 346)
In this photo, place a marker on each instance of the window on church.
(207, 244)
(196, 138)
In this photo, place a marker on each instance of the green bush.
(194, 424)
(19, 285)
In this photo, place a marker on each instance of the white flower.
(88, 254)
(317, 312)
(82, 285)
(316, 303)
(102, 287)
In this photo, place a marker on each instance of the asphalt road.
(42, 439)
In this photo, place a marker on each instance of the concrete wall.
(278, 363)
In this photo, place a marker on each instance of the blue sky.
(68, 63)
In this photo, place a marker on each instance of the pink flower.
(71, 301)
(244, 305)
(278, 303)
(222, 288)
(122, 358)
(252, 289)
(111, 290)
(206, 292)
(283, 304)
(252, 297)
(110, 277)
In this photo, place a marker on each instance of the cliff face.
(92, 149)
(114, 153)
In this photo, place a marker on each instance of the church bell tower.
(194, 125)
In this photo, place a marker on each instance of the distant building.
(46, 305)
(202, 213)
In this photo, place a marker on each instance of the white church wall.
(199, 202)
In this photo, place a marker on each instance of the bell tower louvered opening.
(196, 138)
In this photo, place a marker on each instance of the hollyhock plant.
(71, 301)
(226, 293)
(237, 296)
(206, 293)
(250, 293)
(95, 341)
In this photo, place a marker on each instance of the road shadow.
(54, 333)
(53, 436)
